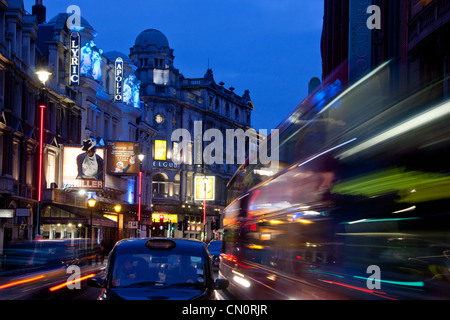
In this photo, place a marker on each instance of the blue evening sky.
(271, 47)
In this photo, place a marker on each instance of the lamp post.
(43, 77)
(141, 158)
(91, 203)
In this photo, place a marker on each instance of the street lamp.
(141, 158)
(43, 76)
(117, 209)
(91, 203)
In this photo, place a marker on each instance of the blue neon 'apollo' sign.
(118, 92)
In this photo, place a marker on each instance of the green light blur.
(426, 186)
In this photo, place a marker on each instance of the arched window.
(217, 104)
(227, 110)
(160, 186)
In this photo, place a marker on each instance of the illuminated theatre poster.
(122, 157)
(83, 170)
(204, 188)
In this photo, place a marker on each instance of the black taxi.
(158, 269)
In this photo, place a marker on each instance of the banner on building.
(204, 188)
(75, 40)
(122, 157)
(160, 150)
(118, 91)
(83, 169)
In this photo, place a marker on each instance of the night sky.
(271, 47)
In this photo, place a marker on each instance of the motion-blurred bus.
(359, 207)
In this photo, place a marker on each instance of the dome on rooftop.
(152, 37)
(113, 55)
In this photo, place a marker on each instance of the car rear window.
(157, 269)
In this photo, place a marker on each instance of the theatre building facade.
(173, 102)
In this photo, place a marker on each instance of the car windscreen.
(158, 269)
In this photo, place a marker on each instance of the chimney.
(39, 10)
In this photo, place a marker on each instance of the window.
(160, 186)
(217, 104)
(176, 154)
(154, 268)
(51, 169)
(176, 185)
(159, 118)
(16, 161)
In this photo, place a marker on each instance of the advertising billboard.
(122, 157)
(204, 188)
(160, 150)
(83, 168)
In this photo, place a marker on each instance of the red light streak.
(41, 153)
(15, 283)
(62, 285)
(377, 293)
(140, 195)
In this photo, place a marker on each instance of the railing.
(65, 198)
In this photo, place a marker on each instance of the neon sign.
(74, 58)
(118, 92)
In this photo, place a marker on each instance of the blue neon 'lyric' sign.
(74, 58)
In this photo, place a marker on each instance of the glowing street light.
(117, 208)
(43, 76)
(91, 203)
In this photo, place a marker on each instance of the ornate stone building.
(171, 102)
(19, 89)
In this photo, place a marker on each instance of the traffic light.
(180, 226)
(161, 218)
(213, 225)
